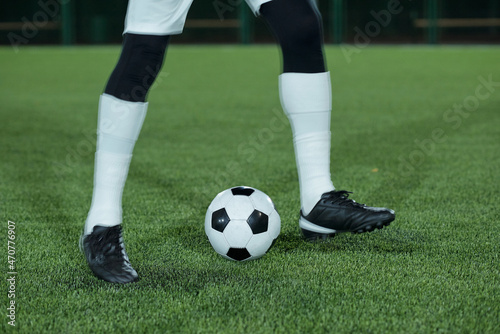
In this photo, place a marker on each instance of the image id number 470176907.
(11, 274)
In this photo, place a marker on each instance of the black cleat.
(106, 256)
(336, 213)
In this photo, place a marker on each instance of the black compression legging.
(296, 25)
(139, 64)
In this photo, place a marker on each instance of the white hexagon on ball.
(262, 202)
(238, 233)
(223, 198)
(239, 207)
(274, 225)
(218, 241)
(259, 244)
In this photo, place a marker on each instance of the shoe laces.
(341, 197)
(112, 241)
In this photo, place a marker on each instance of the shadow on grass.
(194, 280)
(171, 279)
(392, 240)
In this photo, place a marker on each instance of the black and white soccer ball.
(242, 223)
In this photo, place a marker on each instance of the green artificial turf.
(215, 121)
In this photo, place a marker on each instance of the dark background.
(230, 21)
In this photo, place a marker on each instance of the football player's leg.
(305, 92)
(306, 98)
(122, 109)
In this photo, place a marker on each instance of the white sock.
(118, 128)
(306, 100)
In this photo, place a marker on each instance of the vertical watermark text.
(11, 273)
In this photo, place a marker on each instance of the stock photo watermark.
(87, 145)
(150, 82)
(11, 273)
(363, 37)
(222, 7)
(452, 117)
(48, 10)
(249, 150)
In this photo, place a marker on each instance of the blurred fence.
(230, 21)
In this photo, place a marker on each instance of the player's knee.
(298, 28)
(304, 35)
(147, 50)
(139, 64)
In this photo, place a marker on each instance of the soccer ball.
(242, 223)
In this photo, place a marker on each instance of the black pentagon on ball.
(220, 219)
(258, 222)
(238, 254)
(243, 191)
